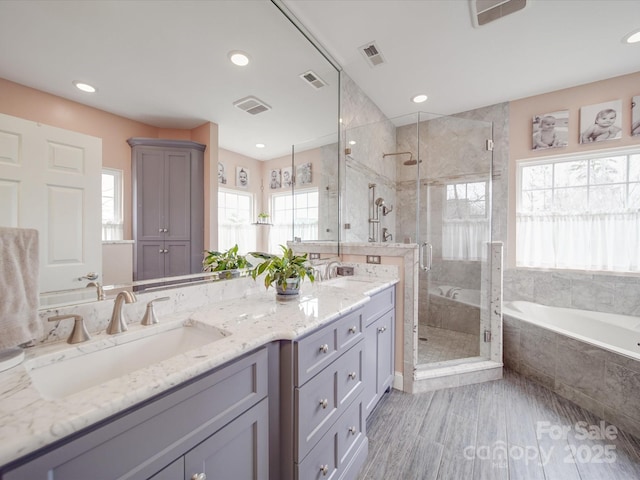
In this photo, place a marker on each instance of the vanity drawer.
(380, 303)
(321, 400)
(322, 347)
(349, 329)
(335, 451)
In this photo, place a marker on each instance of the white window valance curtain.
(465, 239)
(243, 235)
(587, 241)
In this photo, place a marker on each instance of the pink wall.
(522, 111)
(35, 105)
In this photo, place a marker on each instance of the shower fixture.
(381, 205)
(411, 161)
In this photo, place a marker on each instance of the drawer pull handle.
(352, 375)
(382, 329)
(352, 430)
(324, 403)
(199, 476)
(324, 348)
(324, 469)
(353, 329)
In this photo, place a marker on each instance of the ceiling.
(165, 63)
(431, 47)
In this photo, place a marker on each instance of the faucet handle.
(79, 333)
(149, 317)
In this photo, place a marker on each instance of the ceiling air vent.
(372, 53)
(313, 79)
(251, 105)
(486, 11)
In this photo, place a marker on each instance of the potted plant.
(225, 261)
(284, 272)
(263, 217)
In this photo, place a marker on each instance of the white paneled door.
(50, 180)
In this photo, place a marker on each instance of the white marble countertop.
(28, 421)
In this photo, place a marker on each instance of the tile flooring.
(439, 345)
(505, 429)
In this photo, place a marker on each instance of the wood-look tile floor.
(506, 429)
(440, 345)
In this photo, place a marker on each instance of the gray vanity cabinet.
(168, 214)
(217, 424)
(379, 319)
(326, 436)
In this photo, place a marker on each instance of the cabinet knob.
(165, 230)
(166, 250)
(353, 329)
(199, 476)
(161, 251)
(324, 469)
(324, 348)
(352, 375)
(382, 329)
(324, 403)
(352, 430)
(160, 230)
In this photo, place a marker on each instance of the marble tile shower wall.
(373, 134)
(596, 292)
(328, 223)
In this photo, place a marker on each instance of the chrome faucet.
(99, 289)
(117, 323)
(331, 267)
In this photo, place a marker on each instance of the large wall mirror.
(163, 70)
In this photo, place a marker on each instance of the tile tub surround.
(28, 422)
(603, 382)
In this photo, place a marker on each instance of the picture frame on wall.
(242, 177)
(635, 115)
(275, 179)
(601, 122)
(303, 174)
(550, 130)
(222, 176)
(287, 177)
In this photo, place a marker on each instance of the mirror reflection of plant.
(221, 261)
(281, 268)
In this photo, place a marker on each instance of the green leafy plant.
(279, 269)
(223, 261)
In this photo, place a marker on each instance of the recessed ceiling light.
(633, 37)
(352, 142)
(85, 87)
(419, 98)
(239, 58)
(260, 145)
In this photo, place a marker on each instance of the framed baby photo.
(287, 177)
(635, 115)
(274, 179)
(222, 176)
(242, 177)
(550, 130)
(601, 122)
(303, 174)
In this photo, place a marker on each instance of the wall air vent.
(313, 79)
(372, 54)
(486, 11)
(251, 105)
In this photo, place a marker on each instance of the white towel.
(19, 322)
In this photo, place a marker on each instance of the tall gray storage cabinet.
(168, 207)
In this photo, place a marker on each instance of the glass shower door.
(454, 233)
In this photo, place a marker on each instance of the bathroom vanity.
(283, 396)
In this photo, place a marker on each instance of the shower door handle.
(429, 249)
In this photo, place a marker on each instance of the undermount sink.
(342, 282)
(57, 375)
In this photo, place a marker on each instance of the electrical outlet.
(314, 256)
(373, 259)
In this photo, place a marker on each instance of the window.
(112, 221)
(235, 215)
(580, 212)
(465, 226)
(299, 209)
